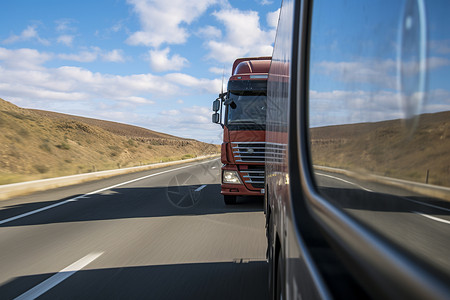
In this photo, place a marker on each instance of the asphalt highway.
(417, 223)
(159, 234)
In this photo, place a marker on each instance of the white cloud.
(381, 73)
(163, 22)
(225, 52)
(437, 62)
(23, 77)
(172, 112)
(356, 106)
(244, 36)
(64, 25)
(187, 122)
(115, 55)
(345, 107)
(29, 33)
(65, 39)
(272, 18)
(265, 2)
(117, 27)
(117, 116)
(136, 100)
(202, 84)
(82, 56)
(226, 72)
(28, 59)
(441, 47)
(210, 32)
(160, 61)
(93, 54)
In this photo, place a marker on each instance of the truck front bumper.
(238, 189)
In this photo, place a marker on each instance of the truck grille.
(250, 152)
(254, 175)
(275, 153)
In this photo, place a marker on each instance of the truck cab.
(241, 111)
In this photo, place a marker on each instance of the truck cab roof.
(251, 67)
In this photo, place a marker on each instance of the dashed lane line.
(62, 275)
(94, 192)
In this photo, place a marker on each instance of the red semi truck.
(241, 111)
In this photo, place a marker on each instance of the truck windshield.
(249, 109)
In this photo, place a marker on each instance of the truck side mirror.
(216, 105)
(215, 118)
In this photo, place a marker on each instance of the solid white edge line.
(200, 188)
(346, 181)
(426, 204)
(432, 218)
(32, 212)
(95, 192)
(405, 198)
(62, 275)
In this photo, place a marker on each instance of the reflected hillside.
(385, 149)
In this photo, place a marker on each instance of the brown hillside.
(384, 148)
(39, 144)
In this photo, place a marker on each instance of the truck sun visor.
(247, 85)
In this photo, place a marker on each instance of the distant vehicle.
(358, 177)
(244, 124)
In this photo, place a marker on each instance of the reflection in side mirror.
(215, 118)
(216, 105)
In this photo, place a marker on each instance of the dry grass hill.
(385, 149)
(40, 144)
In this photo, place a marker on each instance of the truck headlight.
(231, 177)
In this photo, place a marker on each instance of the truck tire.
(229, 199)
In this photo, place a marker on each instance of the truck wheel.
(229, 199)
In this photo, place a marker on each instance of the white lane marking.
(432, 218)
(59, 277)
(349, 182)
(38, 210)
(405, 198)
(94, 192)
(426, 204)
(200, 188)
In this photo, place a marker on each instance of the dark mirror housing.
(216, 105)
(215, 118)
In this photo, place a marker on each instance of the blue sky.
(356, 61)
(152, 63)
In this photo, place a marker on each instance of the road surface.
(419, 224)
(159, 234)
